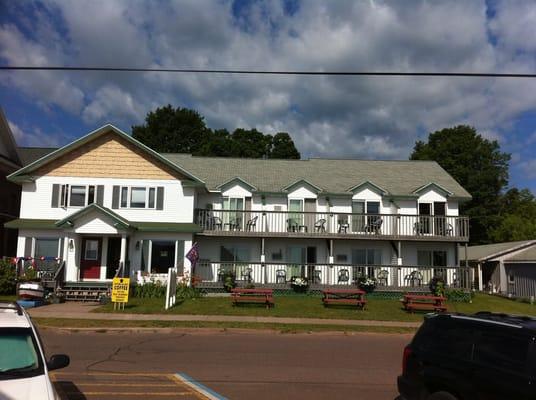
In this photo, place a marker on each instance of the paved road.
(236, 364)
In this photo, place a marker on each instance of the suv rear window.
(449, 338)
(501, 350)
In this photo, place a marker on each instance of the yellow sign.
(120, 288)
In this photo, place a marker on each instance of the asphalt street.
(237, 365)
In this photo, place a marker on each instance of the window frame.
(147, 197)
(64, 195)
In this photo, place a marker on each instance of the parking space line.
(199, 387)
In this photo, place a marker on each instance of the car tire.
(441, 396)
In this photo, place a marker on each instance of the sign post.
(120, 288)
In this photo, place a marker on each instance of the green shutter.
(55, 195)
(160, 198)
(115, 197)
(100, 194)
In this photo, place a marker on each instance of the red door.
(90, 260)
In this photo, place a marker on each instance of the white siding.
(430, 196)
(178, 201)
(301, 192)
(236, 190)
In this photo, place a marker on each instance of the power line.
(267, 72)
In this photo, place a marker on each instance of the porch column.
(503, 284)
(480, 283)
(264, 277)
(331, 251)
(399, 259)
(123, 256)
(263, 254)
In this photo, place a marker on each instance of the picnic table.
(414, 302)
(264, 296)
(344, 296)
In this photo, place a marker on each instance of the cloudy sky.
(358, 117)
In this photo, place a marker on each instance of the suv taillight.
(405, 358)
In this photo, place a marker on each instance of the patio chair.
(215, 223)
(280, 276)
(292, 225)
(374, 226)
(343, 226)
(317, 276)
(383, 277)
(320, 225)
(246, 275)
(414, 277)
(343, 276)
(251, 224)
(221, 274)
(234, 225)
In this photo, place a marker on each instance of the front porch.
(279, 276)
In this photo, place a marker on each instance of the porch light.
(71, 244)
(138, 245)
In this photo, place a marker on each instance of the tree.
(170, 130)
(180, 130)
(478, 165)
(518, 217)
(283, 147)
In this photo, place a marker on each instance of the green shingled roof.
(398, 178)
(30, 154)
(489, 251)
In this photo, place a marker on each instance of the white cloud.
(35, 137)
(529, 168)
(367, 117)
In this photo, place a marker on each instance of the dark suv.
(467, 357)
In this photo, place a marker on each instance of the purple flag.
(193, 254)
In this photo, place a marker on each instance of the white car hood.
(36, 388)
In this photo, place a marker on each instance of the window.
(138, 197)
(365, 257)
(78, 196)
(295, 207)
(234, 207)
(75, 195)
(503, 351)
(342, 258)
(360, 211)
(46, 248)
(277, 255)
(436, 258)
(91, 251)
(234, 254)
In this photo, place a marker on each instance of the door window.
(92, 249)
(295, 207)
(235, 206)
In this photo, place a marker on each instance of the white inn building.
(106, 200)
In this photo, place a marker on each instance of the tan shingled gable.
(108, 156)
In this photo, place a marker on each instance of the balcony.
(332, 225)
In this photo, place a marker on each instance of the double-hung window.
(74, 195)
(138, 197)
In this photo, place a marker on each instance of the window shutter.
(55, 196)
(115, 197)
(100, 194)
(160, 198)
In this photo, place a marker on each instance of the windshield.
(19, 354)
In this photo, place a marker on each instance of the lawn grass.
(101, 326)
(312, 307)
(5, 297)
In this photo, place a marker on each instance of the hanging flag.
(193, 254)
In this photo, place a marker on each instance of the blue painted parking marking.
(188, 380)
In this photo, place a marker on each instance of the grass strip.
(102, 325)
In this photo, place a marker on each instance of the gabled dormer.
(302, 188)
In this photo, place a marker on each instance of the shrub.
(8, 277)
(367, 284)
(229, 280)
(187, 292)
(437, 286)
(149, 290)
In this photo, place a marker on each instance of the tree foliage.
(479, 166)
(181, 130)
(517, 217)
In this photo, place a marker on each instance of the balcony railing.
(403, 277)
(266, 223)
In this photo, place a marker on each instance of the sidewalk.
(74, 310)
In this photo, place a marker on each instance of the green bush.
(187, 292)
(8, 278)
(150, 290)
(229, 280)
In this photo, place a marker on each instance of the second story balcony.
(249, 223)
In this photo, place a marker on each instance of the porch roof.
(117, 219)
(25, 223)
(180, 227)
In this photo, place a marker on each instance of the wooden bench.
(414, 302)
(344, 296)
(264, 296)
